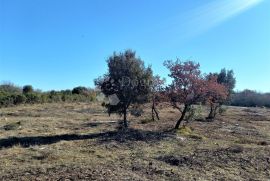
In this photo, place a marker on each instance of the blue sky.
(60, 44)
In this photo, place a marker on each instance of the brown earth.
(81, 142)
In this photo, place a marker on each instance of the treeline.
(11, 95)
(249, 98)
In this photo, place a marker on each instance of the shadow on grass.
(125, 135)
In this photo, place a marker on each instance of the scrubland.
(79, 141)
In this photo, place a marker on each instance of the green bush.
(32, 98)
(222, 110)
(19, 99)
(6, 100)
(55, 96)
(194, 112)
(10, 88)
(11, 95)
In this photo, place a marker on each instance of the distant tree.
(215, 95)
(80, 90)
(157, 95)
(126, 83)
(187, 86)
(27, 89)
(227, 78)
(66, 92)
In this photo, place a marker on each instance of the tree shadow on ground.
(124, 135)
(129, 135)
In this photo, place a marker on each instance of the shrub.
(10, 88)
(19, 99)
(6, 100)
(32, 98)
(194, 113)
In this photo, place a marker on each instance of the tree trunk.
(154, 111)
(153, 116)
(125, 119)
(182, 117)
(211, 113)
(157, 115)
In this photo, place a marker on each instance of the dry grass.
(80, 142)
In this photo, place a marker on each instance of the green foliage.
(8, 99)
(19, 99)
(194, 112)
(188, 132)
(80, 90)
(184, 130)
(32, 98)
(11, 95)
(249, 98)
(27, 89)
(54, 96)
(222, 110)
(127, 79)
(227, 78)
(10, 88)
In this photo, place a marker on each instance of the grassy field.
(81, 142)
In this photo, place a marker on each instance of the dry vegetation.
(79, 141)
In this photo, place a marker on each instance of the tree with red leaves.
(215, 95)
(187, 87)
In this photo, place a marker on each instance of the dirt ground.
(80, 141)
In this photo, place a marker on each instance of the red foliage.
(215, 94)
(188, 86)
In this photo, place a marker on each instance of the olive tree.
(126, 82)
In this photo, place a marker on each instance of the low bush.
(11, 95)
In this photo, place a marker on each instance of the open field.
(81, 142)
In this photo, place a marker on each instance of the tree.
(27, 89)
(127, 82)
(157, 94)
(226, 77)
(187, 86)
(215, 95)
(80, 90)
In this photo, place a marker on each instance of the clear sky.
(60, 44)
